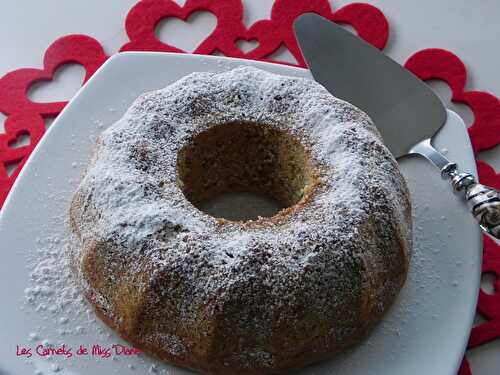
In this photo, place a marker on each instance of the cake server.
(405, 110)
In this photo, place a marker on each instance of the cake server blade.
(403, 108)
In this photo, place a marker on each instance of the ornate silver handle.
(483, 201)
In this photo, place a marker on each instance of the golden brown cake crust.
(225, 297)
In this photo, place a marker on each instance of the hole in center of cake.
(245, 171)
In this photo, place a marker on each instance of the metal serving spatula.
(405, 110)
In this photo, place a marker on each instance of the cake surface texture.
(229, 297)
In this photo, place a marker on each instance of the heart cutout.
(443, 91)
(15, 148)
(217, 53)
(435, 63)
(2, 122)
(14, 86)
(246, 46)
(489, 280)
(10, 168)
(21, 139)
(256, 43)
(143, 18)
(283, 55)
(189, 34)
(368, 21)
(19, 129)
(48, 121)
(25, 115)
(348, 27)
(65, 82)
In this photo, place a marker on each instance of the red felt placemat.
(25, 117)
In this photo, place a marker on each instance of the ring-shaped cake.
(247, 297)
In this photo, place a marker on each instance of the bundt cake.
(242, 297)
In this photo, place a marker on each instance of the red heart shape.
(14, 86)
(261, 31)
(16, 125)
(25, 116)
(487, 175)
(143, 18)
(140, 26)
(368, 21)
(488, 305)
(440, 64)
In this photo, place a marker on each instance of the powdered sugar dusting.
(53, 289)
(353, 234)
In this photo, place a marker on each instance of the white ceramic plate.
(424, 333)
